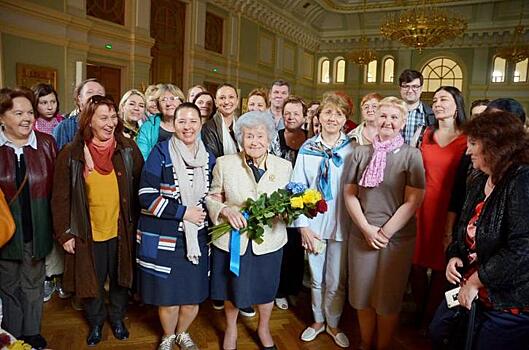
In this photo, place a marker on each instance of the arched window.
(389, 70)
(371, 72)
(339, 70)
(442, 71)
(325, 71)
(498, 72)
(520, 71)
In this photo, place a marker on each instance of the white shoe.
(167, 342)
(184, 341)
(309, 334)
(340, 338)
(282, 303)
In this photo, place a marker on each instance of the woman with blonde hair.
(160, 127)
(320, 165)
(150, 100)
(132, 112)
(383, 189)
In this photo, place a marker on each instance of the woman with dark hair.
(27, 160)
(94, 214)
(172, 231)
(47, 108)
(442, 148)
(47, 117)
(217, 133)
(507, 105)
(286, 145)
(205, 101)
(489, 253)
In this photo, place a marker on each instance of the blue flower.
(296, 187)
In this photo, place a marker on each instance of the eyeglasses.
(171, 98)
(413, 87)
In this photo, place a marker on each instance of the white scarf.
(190, 192)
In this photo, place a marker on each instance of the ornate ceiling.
(334, 25)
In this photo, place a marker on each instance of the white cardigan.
(234, 180)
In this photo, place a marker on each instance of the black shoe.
(36, 341)
(247, 311)
(119, 330)
(96, 333)
(273, 347)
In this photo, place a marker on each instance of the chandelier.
(515, 52)
(423, 26)
(364, 55)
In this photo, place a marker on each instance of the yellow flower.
(311, 196)
(296, 202)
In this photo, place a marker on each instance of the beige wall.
(58, 34)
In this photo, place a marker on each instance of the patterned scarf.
(374, 173)
(317, 148)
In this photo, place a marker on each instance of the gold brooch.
(272, 178)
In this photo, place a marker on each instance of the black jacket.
(212, 135)
(502, 237)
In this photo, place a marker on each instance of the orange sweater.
(103, 202)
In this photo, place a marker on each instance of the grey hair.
(253, 120)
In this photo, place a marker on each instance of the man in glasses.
(419, 113)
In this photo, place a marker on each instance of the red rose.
(321, 206)
(313, 212)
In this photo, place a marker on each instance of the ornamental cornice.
(277, 22)
(389, 5)
(477, 39)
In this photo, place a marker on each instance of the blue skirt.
(165, 277)
(257, 282)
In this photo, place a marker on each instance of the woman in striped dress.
(172, 236)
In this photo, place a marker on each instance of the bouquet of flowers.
(287, 204)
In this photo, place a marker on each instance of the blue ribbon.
(324, 177)
(235, 248)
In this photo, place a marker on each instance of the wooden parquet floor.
(65, 329)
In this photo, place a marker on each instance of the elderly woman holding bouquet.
(320, 165)
(245, 272)
(384, 189)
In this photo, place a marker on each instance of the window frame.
(337, 60)
(323, 60)
(384, 60)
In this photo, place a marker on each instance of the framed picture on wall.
(29, 75)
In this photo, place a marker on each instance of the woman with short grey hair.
(253, 120)
(247, 273)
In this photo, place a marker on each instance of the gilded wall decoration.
(29, 75)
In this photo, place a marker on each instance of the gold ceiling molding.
(497, 38)
(388, 5)
(273, 21)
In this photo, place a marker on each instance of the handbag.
(7, 224)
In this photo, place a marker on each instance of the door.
(110, 77)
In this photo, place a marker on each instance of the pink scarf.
(374, 173)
